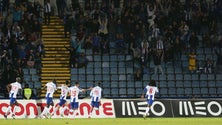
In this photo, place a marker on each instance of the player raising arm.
(149, 91)
(74, 99)
(95, 94)
(62, 99)
(51, 87)
(13, 89)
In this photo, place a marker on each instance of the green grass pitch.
(115, 121)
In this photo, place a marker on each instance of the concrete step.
(54, 33)
(55, 59)
(55, 75)
(52, 30)
(53, 69)
(57, 56)
(55, 49)
(55, 62)
(57, 52)
(56, 39)
(52, 27)
(55, 65)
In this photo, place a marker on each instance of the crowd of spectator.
(159, 30)
(20, 39)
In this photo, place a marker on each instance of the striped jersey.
(96, 94)
(14, 89)
(51, 87)
(64, 91)
(150, 91)
(74, 93)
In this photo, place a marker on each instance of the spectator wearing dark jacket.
(219, 60)
(157, 58)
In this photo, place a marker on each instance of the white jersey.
(51, 87)
(96, 94)
(14, 89)
(150, 91)
(74, 93)
(64, 91)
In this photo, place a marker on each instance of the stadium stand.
(115, 61)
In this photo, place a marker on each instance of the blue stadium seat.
(179, 77)
(106, 85)
(113, 64)
(211, 84)
(105, 64)
(219, 77)
(163, 92)
(37, 85)
(105, 58)
(105, 70)
(122, 84)
(122, 70)
(82, 77)
(114, 77)
(203, 77)
(121, 57)
(195, 84)
(129, 70)
(74, 77)
(113, 58)
(114, 92)
(113, 70)
(90, 70)
(35, 78)
(106, 92)
(179, 84)
(187, 77)
(219, 83)
(114, 84)
(195, 77)
(98, 71)
(27, 78)
(97, 58)
(25, 71)
(73, 71)
(170, 77)
(90, 65)
(203, 84)
(187, 84)
(204, 91)
(122, 77)
(106, 77)
(171, 84)
(81, 71)
(172, 91)
(196, 92)
(211, 77)
(122, 92)
(121, 64)
(33, 71)
(188, 92)
(89, 77)
(180, 92)
(213, 91)
(138, 84)
(130, 84)
(98, 77)
(131, 92)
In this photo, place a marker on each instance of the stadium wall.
(124, 108)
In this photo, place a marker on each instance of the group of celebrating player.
(74, 91)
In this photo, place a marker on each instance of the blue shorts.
(62, 102)
(150, 101)
(74, 105)
(49, 100)
(12, 101)
(95, 104)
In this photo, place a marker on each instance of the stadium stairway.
(55, 63)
